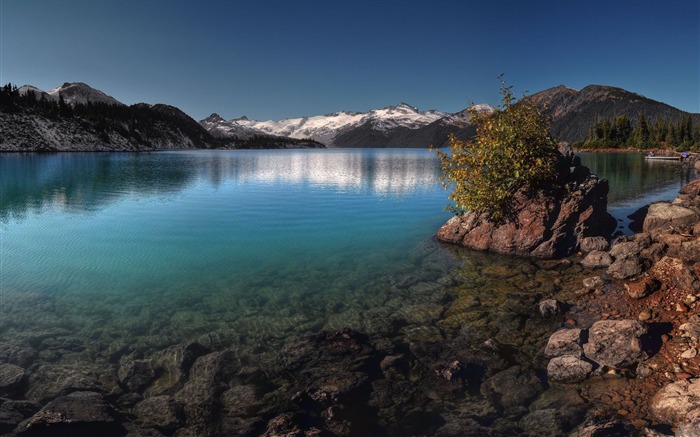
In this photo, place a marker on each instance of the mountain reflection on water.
(114, 264)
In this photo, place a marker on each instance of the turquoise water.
(109, 255)
(138, 232)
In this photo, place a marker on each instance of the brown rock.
(597, 259)
(642, 288)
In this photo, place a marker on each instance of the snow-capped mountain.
(235, 129)
(80, 93)
(328, 128)
(73, 93)
(26, 89)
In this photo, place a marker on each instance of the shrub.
(512, 150)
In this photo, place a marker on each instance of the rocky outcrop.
(549, 222)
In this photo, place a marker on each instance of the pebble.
(623, 412)
(683, 375)
(689, 299)
(644, 316)
(681, 308)
(690, 353)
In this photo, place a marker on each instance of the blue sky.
(276, 59)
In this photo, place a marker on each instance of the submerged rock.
(568, 369)
(549, 222)
(513, 387)
(79, 413)
(565, 342)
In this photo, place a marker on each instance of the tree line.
(679, 133)
(139, 122)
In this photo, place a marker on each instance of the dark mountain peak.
(213, 118)
(243, 118)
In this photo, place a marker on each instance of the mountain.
(80, 93)
(340, 129)
(573, 112)
(90, 120)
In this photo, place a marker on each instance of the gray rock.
(691, 328)
(568, 369)
(543, 422)
(73, 414)
(160, 412)
(625, 268)
(689, 429)
(13, 412)
(172, 366)
(49, 382)
(208, 378)
(565, 342)
(10, 378)
(590, 244)
(593, 283)
(624, 249)
(676, 401)
(135, 374)
(597, 259)
(616, 343)
(550, 307)
(513, 387)
(663, 215)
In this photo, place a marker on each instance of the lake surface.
(135, 253)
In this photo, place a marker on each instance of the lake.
(111, 257)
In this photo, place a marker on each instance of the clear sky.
(276, 59)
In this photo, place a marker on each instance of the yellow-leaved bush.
(512, 149)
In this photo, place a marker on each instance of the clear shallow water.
(111, 255)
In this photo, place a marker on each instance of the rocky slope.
(573, 112)
(633, 335)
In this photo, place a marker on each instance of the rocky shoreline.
(635, 328)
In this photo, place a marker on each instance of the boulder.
(625, 268)
(691, 328)
(690, 428)
(79, 413)
(663, 215)
(593, 283)
(690, 250)
(568, 369)
(590, 244)
(10, 378)
(512, 387)
(626, 249)
(642, 288)
(676, 401)
(676, 273)
(565, 342)
(616, 343)
(597, 259)
(13, 412)
(160, 412)
(49, 382)
(550, 307)
(547, 222)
